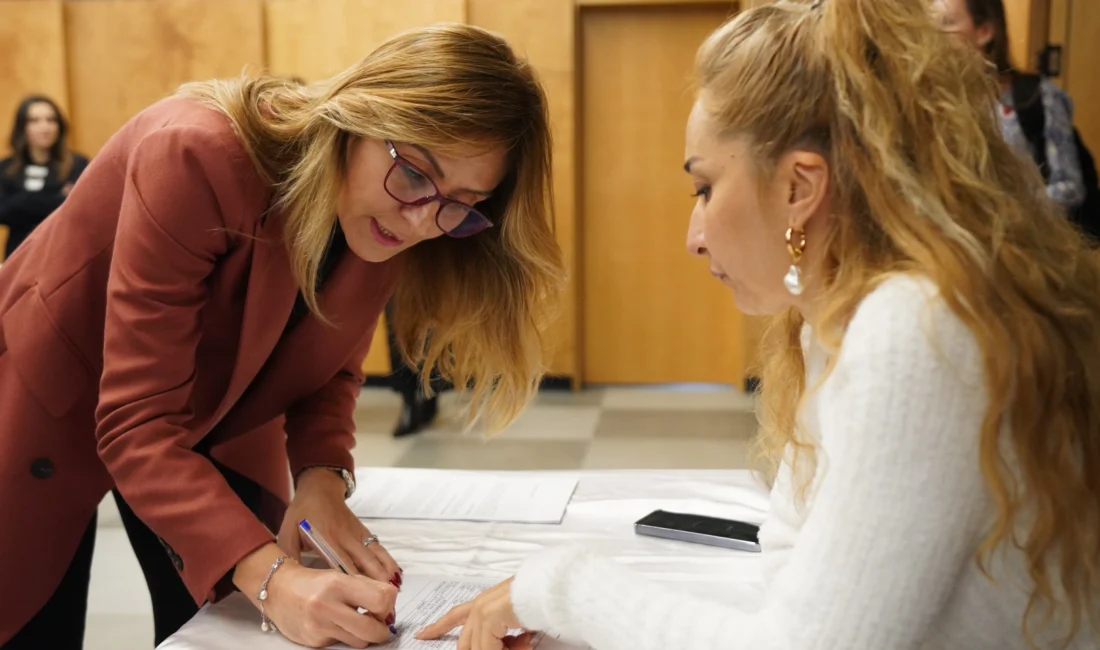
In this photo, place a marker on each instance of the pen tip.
(393, 630)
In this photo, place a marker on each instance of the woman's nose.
(696, 244)
(421, 218)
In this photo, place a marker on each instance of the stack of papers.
(451, 495)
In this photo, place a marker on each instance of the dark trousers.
(403, 379)
(59, 625)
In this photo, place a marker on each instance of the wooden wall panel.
(1058, 33)
(661, 3)
(126, 54)
(315, 39)
(32, 56)
(378, 357)
(1027, 30)
(543, 32)
(1058, 24)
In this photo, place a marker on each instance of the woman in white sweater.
(932, 380)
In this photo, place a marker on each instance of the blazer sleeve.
(182, 183)
(320, 428)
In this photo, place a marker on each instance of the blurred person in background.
(188, 330)
(418, 409)
(41, 170)
(1036, 116)
(931, 384)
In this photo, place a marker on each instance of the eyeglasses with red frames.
(408, 185)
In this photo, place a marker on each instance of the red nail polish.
(398, 580)
(394, 583)
(391, 619)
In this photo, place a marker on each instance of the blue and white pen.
(331, 557)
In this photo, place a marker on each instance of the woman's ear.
(808, 186)
(983, 34)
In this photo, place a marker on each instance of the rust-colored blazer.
(147, 314)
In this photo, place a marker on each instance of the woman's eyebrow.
(439, 170)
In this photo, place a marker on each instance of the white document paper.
(449, 495)
(423, 601)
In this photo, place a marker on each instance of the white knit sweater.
(881, 558)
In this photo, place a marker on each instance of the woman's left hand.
(320, 499)
(486, 622)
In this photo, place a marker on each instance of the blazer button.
(42, 468)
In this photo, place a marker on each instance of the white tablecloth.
(601, 516)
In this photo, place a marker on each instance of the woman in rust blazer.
(187, 329)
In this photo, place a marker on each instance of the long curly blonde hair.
(927, 185)
(473, 310)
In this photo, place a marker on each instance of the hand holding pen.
(314, 608)
(325, 550)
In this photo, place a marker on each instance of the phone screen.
(702, 525)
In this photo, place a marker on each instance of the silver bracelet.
(265, 623)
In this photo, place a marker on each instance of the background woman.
(982, 25)
(195, 317)
(931, 388)
(41, 171)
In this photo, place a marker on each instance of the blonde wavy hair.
(926, 184)
(472, 310)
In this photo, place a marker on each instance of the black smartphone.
(727, 533)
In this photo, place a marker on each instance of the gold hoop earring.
(796, 246)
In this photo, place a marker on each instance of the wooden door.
(651, 313)
(1080, 79)
(1074, 25)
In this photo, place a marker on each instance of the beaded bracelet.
(265, 623)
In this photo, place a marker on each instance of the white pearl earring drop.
(796, 245)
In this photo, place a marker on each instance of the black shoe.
(416, 416)
(430, 409)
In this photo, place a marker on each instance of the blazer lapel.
(268, 301)
(352, 299)
(311, 353)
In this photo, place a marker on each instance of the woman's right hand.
(318, 608)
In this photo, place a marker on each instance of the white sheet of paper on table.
(421, 601)
(451, 495)
(424, 600)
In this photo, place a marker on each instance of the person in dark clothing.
(41, 171)
(418, 411)
(982, 24)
